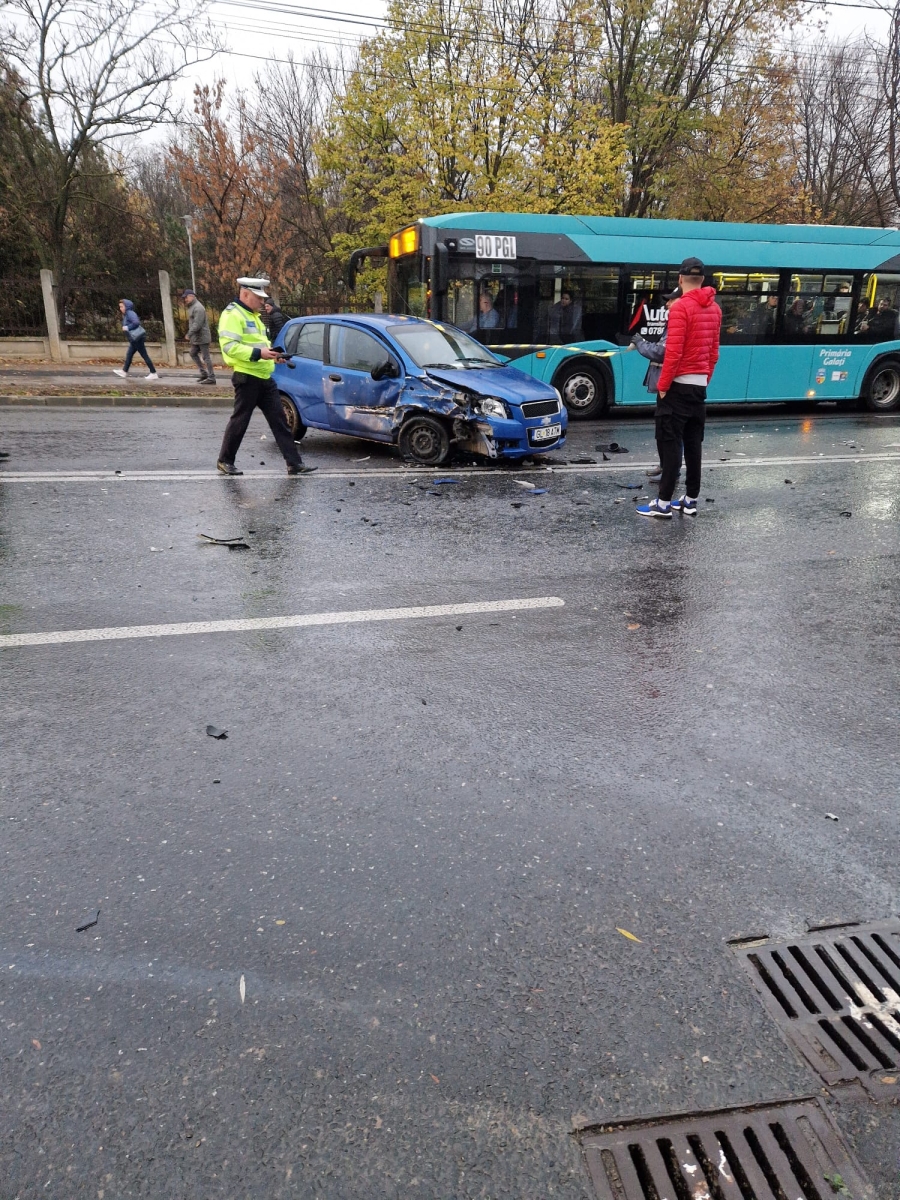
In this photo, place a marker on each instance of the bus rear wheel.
(583, 390)
(883, 388)
(292, 417)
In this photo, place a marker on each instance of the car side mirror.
(388, 369)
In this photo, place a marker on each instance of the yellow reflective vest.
(242, 335)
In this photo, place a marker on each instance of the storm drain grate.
(788, 1151)
(837, 998)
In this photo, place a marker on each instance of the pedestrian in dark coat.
(655, 352)
(131, 325)
(275, 319)
(199, 337)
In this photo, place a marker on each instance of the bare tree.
(889, 84)
(841, 132)
(85, 74)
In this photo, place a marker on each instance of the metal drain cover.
(836, 995)
(788, 1151)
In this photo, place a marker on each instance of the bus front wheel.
(883, 388)
(583, 390)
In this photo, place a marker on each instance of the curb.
(224, 401)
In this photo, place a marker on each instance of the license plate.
(547, 434)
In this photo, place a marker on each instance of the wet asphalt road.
(418, 841)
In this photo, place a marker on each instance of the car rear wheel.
(425, 440)
(583, 390)
(294, 424)
(883, 387)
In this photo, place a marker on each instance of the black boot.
(228, 468)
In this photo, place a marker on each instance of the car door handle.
(335, 378)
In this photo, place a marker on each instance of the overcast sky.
(256, 30)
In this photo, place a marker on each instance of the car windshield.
(442, 346)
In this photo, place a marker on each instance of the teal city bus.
(809, 312)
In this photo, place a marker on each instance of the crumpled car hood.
(506, 383)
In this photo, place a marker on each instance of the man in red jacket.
(692, 351)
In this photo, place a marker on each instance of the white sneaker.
(122, 374)
(152, 375)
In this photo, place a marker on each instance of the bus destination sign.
(495, 245)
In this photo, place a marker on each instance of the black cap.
(692, 266)
(676, 295)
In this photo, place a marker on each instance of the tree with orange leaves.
(230, 176)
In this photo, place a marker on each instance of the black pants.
(136, 346)
(680, 421)
(249, 393)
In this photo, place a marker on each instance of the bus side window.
(749, 304)
(878, 308)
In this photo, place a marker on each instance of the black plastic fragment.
(629, 486)
(612, 447)
(846, 513)
(89, 925)
(213, 732)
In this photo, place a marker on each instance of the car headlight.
(490, 406)
(559, 396)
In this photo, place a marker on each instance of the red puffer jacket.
(692, 341)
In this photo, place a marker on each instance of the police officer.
(245, 348)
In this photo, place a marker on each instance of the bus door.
(646, 316)
(749, 303)
(496, 308)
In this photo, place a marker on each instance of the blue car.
(424, 386)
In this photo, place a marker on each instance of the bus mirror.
(440, 269)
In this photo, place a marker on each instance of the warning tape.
(565, 349)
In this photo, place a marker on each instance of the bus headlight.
(490, 406)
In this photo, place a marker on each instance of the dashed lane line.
(302, 621)
(174, 476)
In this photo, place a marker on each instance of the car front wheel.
(425, 440)
(294, 424)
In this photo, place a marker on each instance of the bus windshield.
(437, 346)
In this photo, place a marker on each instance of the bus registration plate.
(495, 245)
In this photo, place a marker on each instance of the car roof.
(371, 320)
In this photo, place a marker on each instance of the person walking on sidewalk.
(131, 324)
(199, 337)
(245, 348)
(692, 351)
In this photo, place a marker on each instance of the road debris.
(233, 543)
(584, 462)
(242, 989)
(630, 486)
(846, 512)
(612, 447)
(630, 936)
(439, 481)
(831, 817)
(89, 925)
(213, 732)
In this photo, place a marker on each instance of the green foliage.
(465, 104)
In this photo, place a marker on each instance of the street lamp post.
(188, 223)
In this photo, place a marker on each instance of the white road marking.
(118, 632)
(711, 462)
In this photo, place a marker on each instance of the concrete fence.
(57, 349)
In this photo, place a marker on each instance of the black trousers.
(680, 422)
(249, 393)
